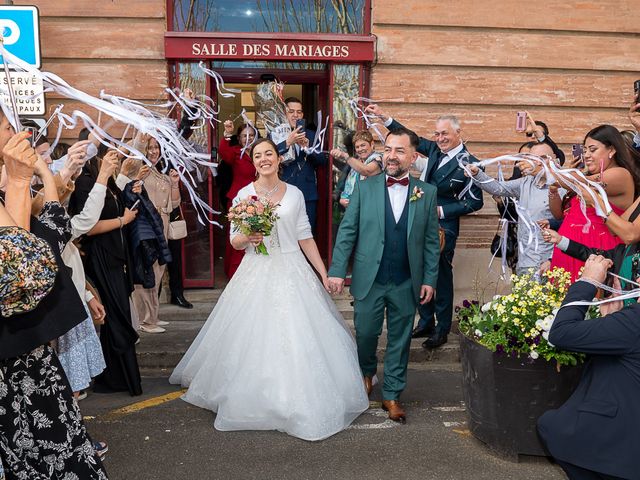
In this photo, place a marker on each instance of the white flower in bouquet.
(486, 307)
(477, 333)
(534, 355)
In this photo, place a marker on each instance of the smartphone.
(577, 150)
(301, 124)
(135, 205)
(34, 134)
(636, 90)
(521, 121)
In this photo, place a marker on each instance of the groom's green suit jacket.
(363, 228)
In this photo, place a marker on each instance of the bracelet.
(121, 222)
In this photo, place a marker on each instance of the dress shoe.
(368, 385)
(421, 332)
(162, 323)
(435, 341)
(396, 412)
(181, 302)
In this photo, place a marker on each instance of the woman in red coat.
(231, 152)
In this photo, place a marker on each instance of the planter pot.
(505, 397)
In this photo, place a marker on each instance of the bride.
(275, 354)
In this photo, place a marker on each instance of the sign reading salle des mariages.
(280, 47)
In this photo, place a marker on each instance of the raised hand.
(20, 158)
(376, 111)
(108, 167)
(228, 128)
(296, 136)
(174, 177)
(137, 187)
(471, 168)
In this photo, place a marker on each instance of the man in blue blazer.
(299, 168)
(442, 171)
(594, 434)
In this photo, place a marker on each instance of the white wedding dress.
(275, 353)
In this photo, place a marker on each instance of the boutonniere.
(416, 194)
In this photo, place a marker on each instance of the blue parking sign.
(20, 29)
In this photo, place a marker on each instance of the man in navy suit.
(299, 168)
(442, 171)
(594, 434)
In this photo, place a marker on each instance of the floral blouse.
(27, 270)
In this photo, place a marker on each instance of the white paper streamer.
(176, 150)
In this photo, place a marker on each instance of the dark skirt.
(117, 335)
(42, 435)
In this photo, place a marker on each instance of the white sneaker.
(162, 323)
(151, 329)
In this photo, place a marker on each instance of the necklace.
(269, 193)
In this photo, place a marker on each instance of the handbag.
(177, 228)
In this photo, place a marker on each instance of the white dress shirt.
(398, 197)
(450, 155)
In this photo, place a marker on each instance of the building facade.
(571, 64)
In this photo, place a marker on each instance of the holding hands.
(334, 284)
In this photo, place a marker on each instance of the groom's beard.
(395, 171)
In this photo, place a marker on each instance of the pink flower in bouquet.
(231, 216)
(259, 208)
(251, 210)
(242, 207)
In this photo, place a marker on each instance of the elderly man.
(594, 434)
(442, 171)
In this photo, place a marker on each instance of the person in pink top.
(607, 160)
(231, 151)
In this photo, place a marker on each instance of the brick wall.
(571, 64)
(115, 45)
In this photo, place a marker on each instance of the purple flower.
(499, 349)
(466, 304)
(457, 309)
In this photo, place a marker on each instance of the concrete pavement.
(176, 440)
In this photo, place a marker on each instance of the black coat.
(146, 238)
(597, 427)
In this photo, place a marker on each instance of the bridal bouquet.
(518, 323)
(254, 215)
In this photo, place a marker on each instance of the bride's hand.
(327, 286)
(255, 239)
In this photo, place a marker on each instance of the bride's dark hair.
(260, 141)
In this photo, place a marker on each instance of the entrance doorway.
(310, 86)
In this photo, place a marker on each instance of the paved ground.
(155, 440)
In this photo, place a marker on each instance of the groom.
(393, 225)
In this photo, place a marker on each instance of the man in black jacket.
(443, 171)
(594, 434)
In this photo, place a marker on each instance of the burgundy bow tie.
(392, 181)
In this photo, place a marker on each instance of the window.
(295, 16)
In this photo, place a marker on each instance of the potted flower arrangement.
(511, 373)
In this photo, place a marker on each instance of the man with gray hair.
(442, 171)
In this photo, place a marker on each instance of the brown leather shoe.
(396, 412)
(368, 385)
